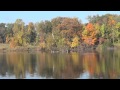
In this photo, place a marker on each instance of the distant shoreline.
(38, 49)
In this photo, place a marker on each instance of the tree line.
(62, 32)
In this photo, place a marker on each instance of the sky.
(37, 16)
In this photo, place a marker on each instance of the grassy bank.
(6, 48)
(102, 47)
(117, 45)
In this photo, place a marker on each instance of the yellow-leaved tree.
(75, 42)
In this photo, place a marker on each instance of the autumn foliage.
(90, 62)
(89, 35)
(62, 32)
(90, 27)
(13, 43)
(75, 42)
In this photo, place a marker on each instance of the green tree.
(117, 32)
(18, 26)
(31, 33)
(2, 32)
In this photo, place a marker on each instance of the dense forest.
(63, 33)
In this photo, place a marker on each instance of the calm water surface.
(42, 65)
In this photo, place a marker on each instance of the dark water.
(42, 65)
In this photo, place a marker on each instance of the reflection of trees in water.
(31, 64)
(59, 65)
(56, 65)
(109, 66)
(48, 65)
(73, 67)
(42, 68)
(3, 65)
(103, 65)
(90, 62)
(17, 64)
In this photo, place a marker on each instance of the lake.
(46, 65)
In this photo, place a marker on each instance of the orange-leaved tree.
(89, 34)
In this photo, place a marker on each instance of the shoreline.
(38, 49)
